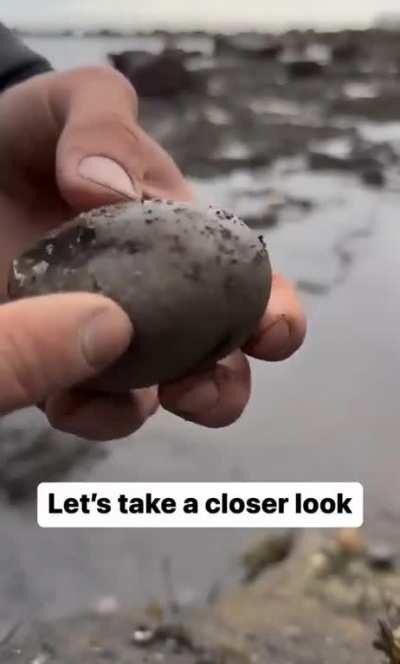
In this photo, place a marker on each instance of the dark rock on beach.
(384, 107)
(232, 109)
(252, 45)
(154, 75)
(303, 68)
(374, 176)
(345, 50)
(321, 161)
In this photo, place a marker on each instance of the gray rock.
(251, 45)
(345, 51)
(382, 108)
(195, 282)
(354, 161)
(304, 68)
(374, 177)
(154, 75)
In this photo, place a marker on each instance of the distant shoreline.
(179, 33)
(391, 24)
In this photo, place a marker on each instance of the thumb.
(103, 156)
(98, 158)
(53, 342)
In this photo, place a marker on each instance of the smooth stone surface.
(194, 281)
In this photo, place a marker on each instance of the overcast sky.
(201, 13)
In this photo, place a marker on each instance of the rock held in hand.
(194, 282)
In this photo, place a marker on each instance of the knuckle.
(108, 76)
(118, 125)
(90, 73)
(108, 129)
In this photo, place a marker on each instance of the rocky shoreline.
(252, 99)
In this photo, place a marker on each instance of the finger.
(51, 343)
(101, 417)
(214, 398)
(282, 329)
(103, 156)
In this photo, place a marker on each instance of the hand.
(69, 142)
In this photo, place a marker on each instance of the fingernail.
(277, 337)
(107, 173)
(105, 336)
(203, 395)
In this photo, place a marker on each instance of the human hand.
(70, 142)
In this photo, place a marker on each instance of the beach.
(328, 414)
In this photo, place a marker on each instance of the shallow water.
(331, 413)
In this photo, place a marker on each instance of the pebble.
(381, 556)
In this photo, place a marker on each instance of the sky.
(210, 14)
